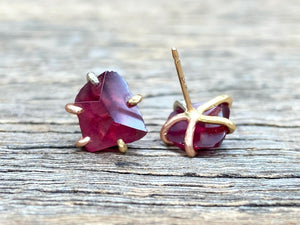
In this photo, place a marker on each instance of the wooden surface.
(247, 49)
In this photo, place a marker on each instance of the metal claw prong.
(81, 142)
(122, 145)
(91, 77)
(134, 100)
(71, 108)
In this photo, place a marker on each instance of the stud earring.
(196, 126)
(107, 113)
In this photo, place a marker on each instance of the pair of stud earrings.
(108, 116)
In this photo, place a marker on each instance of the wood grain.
(247, 49)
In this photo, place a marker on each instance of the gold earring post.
(183, 85)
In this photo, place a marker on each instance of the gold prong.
(178, 104)
(215, 102)
(91, 77)
(81, 142)
(189, 138)
(170, 122)
(215, 119)
(122, 145)
(134, 100)
(218, 120)
(71, 108)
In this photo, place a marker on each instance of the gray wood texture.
(247, 49)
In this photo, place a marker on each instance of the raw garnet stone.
(206, 135)
(106, 116)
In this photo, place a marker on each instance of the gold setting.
(193, 115)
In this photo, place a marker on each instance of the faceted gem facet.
(106, 116)
(206, 135)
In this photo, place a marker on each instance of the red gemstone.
(106, 117)
(206, 135)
